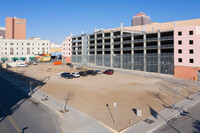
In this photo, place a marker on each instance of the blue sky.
(55, 19)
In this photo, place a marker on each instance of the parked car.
(76, 75)
(109, 71)
(98, 71)
(69, 76)
(34, 62)
(69, 64)
(83, 73)
(64, 75)
(22, 65)
(91, 72)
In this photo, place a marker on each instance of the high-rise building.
(2, 32)
(15, 28)
(140, 19)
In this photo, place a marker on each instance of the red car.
(109, 71)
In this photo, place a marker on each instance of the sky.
(55, 19)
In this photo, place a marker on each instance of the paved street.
(188, 122)
(21, 115)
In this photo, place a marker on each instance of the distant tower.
(140, 19)
(15, 28)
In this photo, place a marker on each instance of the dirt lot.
(91, 94)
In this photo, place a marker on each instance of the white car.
(76, 75)
(22, 65)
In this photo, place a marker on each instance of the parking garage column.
(88, 48)
(159, 51)
(132, 51)
(95, 48)
(145, 51)
(111, 49)
(103, 46)
(121, 48)
(76, 48)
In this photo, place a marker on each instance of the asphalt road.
(22, 114)
(187, 122)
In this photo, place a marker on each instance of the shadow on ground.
(11, 97)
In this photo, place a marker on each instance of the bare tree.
(68, 96)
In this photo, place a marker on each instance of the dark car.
(69, 76)
(98, 71)
(82, 73)
(91, 72)
(109, 71)
(69, 64)
(64, 75)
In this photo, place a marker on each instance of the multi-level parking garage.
(152, 52)
(148, 48)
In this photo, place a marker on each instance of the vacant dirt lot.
(91, 94)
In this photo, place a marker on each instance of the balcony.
(152, 39)
(73, 46)
(91, 49)
(126, 48)
(92, 39)
(127, 41)
(167, 38)
(106, 43)
(127, 35)
(117, 42)
(138, 48)
(138, 40)
(76, 41)
(166, 46)
(92, 44)
(116, 36)
(117, 49)
(80, 45)
(106, 49)
(98, 38)
(106, 37)
(99, 49)
(99, 44)
(152, 47)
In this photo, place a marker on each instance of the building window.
(32, 52)
(5, 52)
(180, 51)
(28, 50)
(22, 48)
(11, 43)
(191, 42)
(17, 48)
(6, 48)
(11, 51)
(179, 42)
(43, 50)
(190, 32)
(28, 43)
(179, 59)
(43, 44)
(17, 52)
(179, 33)
(191, 60)
(22, 52)
(32, 48)
(38, 48)
(22, 44)
(5, 43)
(191, 51)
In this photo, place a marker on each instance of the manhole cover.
(148, 121)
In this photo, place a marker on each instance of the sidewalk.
(160, 118)
(74, 121)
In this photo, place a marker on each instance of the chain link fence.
(152, 62)
(139, 61)
(167, 63)
(127, 61)
(116, 60)
(91, 58)
(99, 59)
